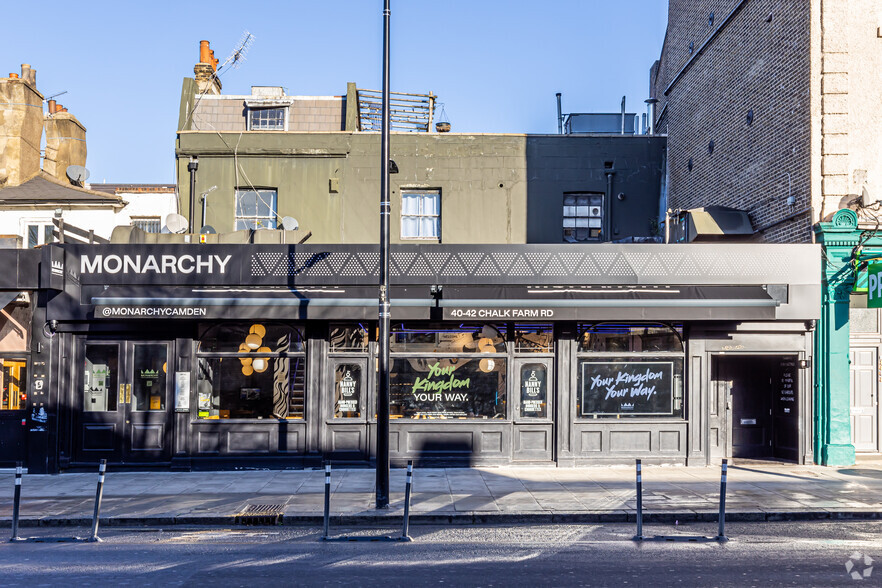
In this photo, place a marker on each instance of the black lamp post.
(383, 375)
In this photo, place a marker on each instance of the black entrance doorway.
(761, 404)
(122, 402)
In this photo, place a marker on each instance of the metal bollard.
(100, 490)
(327, 500)
(16, 504)
(407, 489)
(722, 534)
(639, 535)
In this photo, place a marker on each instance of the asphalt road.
(758, 554)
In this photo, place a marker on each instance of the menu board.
(347, 397)
(534, 390)
(623, 388)
(787, 387)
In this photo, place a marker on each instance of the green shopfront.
(214, 356)
(848, 343)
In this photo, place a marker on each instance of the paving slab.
(756, 491)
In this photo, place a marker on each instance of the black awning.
(614, 302)
(334, 303)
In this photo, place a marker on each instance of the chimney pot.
(13, 76)
(52, 107)
(64, 110)
(204, 52)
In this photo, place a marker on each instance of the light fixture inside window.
(253, 341)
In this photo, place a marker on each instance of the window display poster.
(347, 378)
(627, 388)
(534, 391)
(454, 387)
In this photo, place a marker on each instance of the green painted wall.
(832, 424)
(494, 188)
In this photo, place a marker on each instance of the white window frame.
(271, 220)
(42, 224)
(587, 216)
(255, 109)
(421, 214)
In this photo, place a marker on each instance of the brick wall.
(753, 64)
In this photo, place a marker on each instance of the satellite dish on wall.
(176, 223)
(77, 174)
(289, 223)
(207, 230)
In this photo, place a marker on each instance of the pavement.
(756, 491)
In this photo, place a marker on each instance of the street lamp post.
(383, 375)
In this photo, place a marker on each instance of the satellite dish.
(176, 223)
(289, 223)
(207, 230)
(77, 174)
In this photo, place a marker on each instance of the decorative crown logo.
(628, 405)
(58, 268)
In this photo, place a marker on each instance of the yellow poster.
(155, 403)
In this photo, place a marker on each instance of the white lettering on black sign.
(157, 264)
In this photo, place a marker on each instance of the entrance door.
(864, 409)
(124, 402)
(346, 430)
(533, 424)
(761, 394)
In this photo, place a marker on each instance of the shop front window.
(630, 370)
(448, 371)
(13, 386)
(347, 393)
(448, 339)
(349, 337)
(448, 388)
(252, 371)
(533, 338)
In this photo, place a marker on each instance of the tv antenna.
(238, 55)
(54, 96)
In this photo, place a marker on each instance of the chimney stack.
(205, 70)
(65, 142)
(21, 127)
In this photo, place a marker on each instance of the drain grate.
(261, 515)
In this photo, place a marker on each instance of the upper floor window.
(267, 119)
(582, 217)
(256, 209)
(420, 214)
(39, 234)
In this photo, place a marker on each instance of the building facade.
(768, 109)
(210, 356)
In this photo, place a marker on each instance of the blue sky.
(495, 64)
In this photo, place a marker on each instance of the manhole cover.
(261, 514)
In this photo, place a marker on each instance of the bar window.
(13, 383)
(349, 337)
(463, 338)
(630, 370)
(252, 371)
(347, 391)
(448, 387)
(533, 338)
(534, 391)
